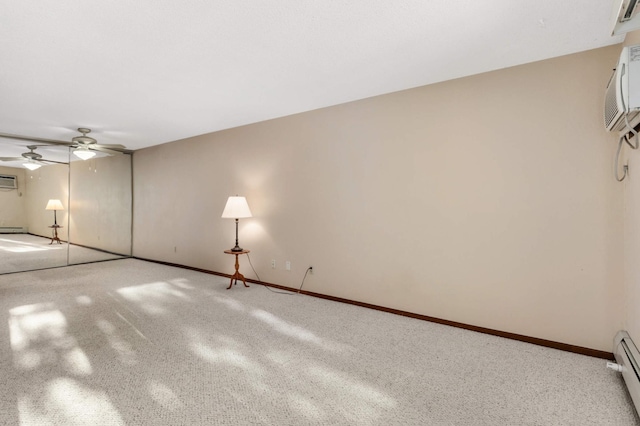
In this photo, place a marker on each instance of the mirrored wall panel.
(28, 230)
(64, 212)
(100, 209)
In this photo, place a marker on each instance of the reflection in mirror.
(94, 223)
(100, 210)
(27, 229)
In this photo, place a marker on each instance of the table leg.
(237, 275)
(55, 237)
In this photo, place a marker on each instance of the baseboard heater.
(12, 230)
(627, 358)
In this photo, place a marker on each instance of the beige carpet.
(26, 252)
(129, 342)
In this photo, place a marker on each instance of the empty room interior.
(290, 213)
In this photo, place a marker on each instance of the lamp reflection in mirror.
(54, 205)
(83, 153)
(32, 166)
(236, 208)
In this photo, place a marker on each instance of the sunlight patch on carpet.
(230, 303)
(164, 396)
(305, 406)
(66, 401)
(285, 328)
(152, 298)
(23, 247)
(39, 337)
(364, 401)
(122, 348)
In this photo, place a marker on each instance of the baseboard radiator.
(12, 230)
(627, 359)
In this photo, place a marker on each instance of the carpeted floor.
(26, 252)
(129, 342)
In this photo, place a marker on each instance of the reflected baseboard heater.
(12, 230)
(627, 358)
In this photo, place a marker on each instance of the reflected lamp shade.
(236, 208)
(54, 205)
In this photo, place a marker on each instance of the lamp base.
(236, 249)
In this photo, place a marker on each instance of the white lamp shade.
(85, 154)
(236, 208)
(32, 166)
(54, 205)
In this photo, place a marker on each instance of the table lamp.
(54, 205)
(236, 208)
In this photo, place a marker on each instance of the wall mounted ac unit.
(8, 182)
(622, 97)
(627, 357)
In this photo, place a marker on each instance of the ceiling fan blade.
(41, 161)
(105, 150)
(33, 139)
(45, 162)
(111, 146)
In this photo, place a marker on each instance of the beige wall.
(12, 204)
(487, 200)
(43, 184)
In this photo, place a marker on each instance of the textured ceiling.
(145, 72)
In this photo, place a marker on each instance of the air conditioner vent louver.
(8, 182)
(612, 110)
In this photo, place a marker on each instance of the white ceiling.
(145, 72)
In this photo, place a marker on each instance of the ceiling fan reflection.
(31, 160)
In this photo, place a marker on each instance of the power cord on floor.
(310, 268)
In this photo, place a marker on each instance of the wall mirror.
(91, 223)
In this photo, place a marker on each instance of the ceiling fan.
(31, 159)
(85, 145)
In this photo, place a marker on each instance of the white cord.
(632, 130)
(626, 166)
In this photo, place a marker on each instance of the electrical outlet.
(273, 264)
(287, 265)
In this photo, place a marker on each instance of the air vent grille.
(8, 181)
(612, 112)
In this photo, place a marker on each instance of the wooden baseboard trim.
(533, 340)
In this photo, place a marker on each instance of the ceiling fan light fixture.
(32, 166)
(84, 154)
(85, 140)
